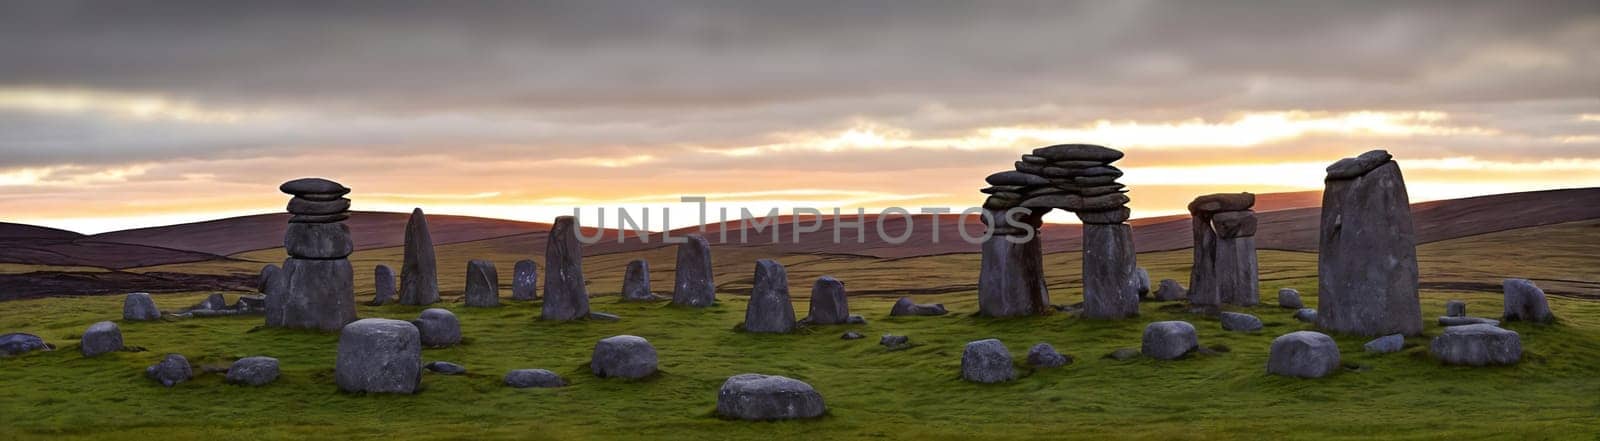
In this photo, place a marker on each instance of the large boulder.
(1234, 321)
(1477, 345)
(1043, 355)
(1525, 301)
(139, 307)
(636, 282)
(1110, 285)
(379, 356)
(18, 343)
(253, 371)
(320, 294)
(483, 284)
(101, 338)
(526, 378)
(769, 310)
(1171, 291)
(1289, 298)
(172, 369)
(525, 281)
(382, 285)
(829, 306)
(692, 282)
(1168, 340)
(1303, 354)
(623, 356)
(419, 272)
(565, 295)
(987, 361)
(756, 397)
(905, 306)
(1367, 254)
(438, 328)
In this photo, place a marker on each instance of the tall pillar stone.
(383, 287)
(419, 273)
(273, 287)
(1110, 272)
(483, 284)
(525, 281)
(1011, 280)
(316, 286)
(1367, 252)
(565, 295)
(692, 284)
(1224, 270)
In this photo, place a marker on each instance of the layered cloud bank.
(124, 114)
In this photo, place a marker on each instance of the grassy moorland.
(870, 392)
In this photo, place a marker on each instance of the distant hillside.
(369, 230)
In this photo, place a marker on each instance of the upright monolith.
(636, 282)
(829, 305)
(1225, 267)
(383, 287)
(483, 284)
(1367, 252)
(769, 310)
(525, 281)
(565, 296)
(692, 283)
(1011, 279)
(419, 274)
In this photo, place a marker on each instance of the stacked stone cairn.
(1073, 177)
(1367, 251)
(1225, 266)
(318, 284)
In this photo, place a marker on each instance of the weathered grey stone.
(139, 307)
(1230, 224)
(318, 218)
(319, 294)
(318, 241)
(1142, 282)
(829, 305)
(275, 286)
(1123, 354)
(1386, 344)
(215, 301)
(526, 378)
(1076, 203)
(1220, 202)
(300, 205)
(565, 295)
(851, 335)
(1348, 168)
(1016, 178)
(1289, 298)
(253, 371)
(305, 186)
(419, 273)
(1525, 301)
(1110, 285)
(623, 356)
(1463, 321)
(1203, 284)
(1114, 216)
(483, 284)
(525, 281)
(769, 310)
(604, 316)
(18, 343)
(1078, 152)
(438, 328)
(1308, 315)
(252, 304)
(905, 306)
(1455, 308)
(101, 338)
(636, 282)
(1043, 355)
(1170, 291)
(1303, 354)
(1477, 345)
(445, 368)
(1234, 321)
(892, 341)
(1168, 340)
(987, 361)
(692, 282)
(379, 356)
(1367, 256)
(1237, 271)
(172, 369)
(1011, 278)
(382, 285)
(756, 397)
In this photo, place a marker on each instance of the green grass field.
(871, 393)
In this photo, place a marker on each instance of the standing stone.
(565, 295)
(829, 306)
(419, 274)
(379, 356)
(987, 361)
(756, 397)
(1525, 301)
(1477, 345)
(1142, 279)
(1011, 279)
(636, 282)
(1455, 308)
(1237, 269)
(382, 285)
(483, 284)
(692, 283)
(623, 356)
(321, 294)
(101, 338)
(318, 289)
(769, 310)
(253, 371)
(1169, 340)
(1170, 291)
(139, 307)
(1289, 298)
(525, 281)
(172, 369)
(1367, 255)
(1110, 285)
(1303, 354)
(438, 328)
(1225, 266)
(276, 287)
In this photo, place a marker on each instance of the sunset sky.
(125, 114)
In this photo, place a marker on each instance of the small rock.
(1303, 354)
(1455, 308)
(172, 369)
(1233, 321)
(1123, 354)
(1525, 301)
(253, 371)
(1290, 298)
(604, 316)
(1477, 345)
(1078, 152)
(445, 367)
(139, 307)
(17, 343)
(439, 328)
(623, 356)
(379, 356)
(1170, 291)
(214, 302)
(1169, 340)
(904, 306)
(1045, 356)
(855, 320)
(1463, 321)
(756, 397)
(987, 361)
(852, 335)
(1386, 344)
(526, 378)
(893, 342)
(101, 338)
(1307, 315)
(315, 186)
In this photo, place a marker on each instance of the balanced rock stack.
(1072, 177)
(1225, 266)
(1367, 252)
(318, 282)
